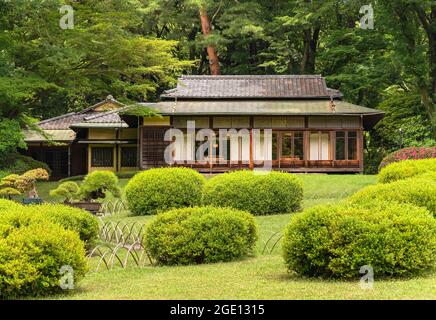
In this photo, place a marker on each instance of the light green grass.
(263, 276)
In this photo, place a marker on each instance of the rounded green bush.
(8, 204)
(157, 190)
(260, 194)
(200, 235)
(406, 169)
(32, 255)
(78, 220)
(336, 241)
(419, 191)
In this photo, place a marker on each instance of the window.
(274, 146)
(129, 157)
(340, 145)
(298, 145)
(102, 157)
(292, 145)
(346, 145)
(352, 145)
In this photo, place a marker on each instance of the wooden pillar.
(69, 160)
(360, 145)
(251, 149)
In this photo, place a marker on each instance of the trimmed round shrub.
(259, 194)
(418, 191)
(412, 153)
(200, 235)
(336, 241)
(8, 204)
(406, 169)
(75, 219)
(158, 190)
(32, 255)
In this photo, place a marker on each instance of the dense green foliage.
(419, 191)
(82, 222)
(200, 235)
(157, 190)
(406, 169)
(20, 164)
(32, 253)
(98, 184)
(136, 49)
(260, 194)
(336, 241)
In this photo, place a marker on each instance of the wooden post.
(251, 149)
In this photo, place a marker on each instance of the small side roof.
(55, 135)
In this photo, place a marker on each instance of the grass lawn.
(261, 277)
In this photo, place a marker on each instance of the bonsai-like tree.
(97, 184)
(15, 184)
(8, 186)
(67, 190)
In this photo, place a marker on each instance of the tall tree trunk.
(428, 94)
(211, 50)
(309, 51)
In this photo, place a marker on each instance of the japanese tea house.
(313, 129)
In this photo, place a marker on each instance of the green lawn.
(261, 277)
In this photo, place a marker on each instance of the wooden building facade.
(288, 123)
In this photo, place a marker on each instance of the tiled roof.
(249, 87)
(64, 122)
(83, 117)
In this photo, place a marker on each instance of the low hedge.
(32, 255)
(157, 190)
(336, 241)
(8, 204)
(419, 191)
(259, 194)
(78, 220)
(406, 169)
(412, 153)
(200, 235)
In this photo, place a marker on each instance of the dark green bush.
(200, 235)
(98, 184)
(260, 194)
(32, 255)
(406, 169)
(156, 190)
(78, 220)
(19, 164)
(336, 241)
(419, 191)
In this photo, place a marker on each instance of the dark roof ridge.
(218, 77)
(109, 98)
(57, 118)
(105, 113)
